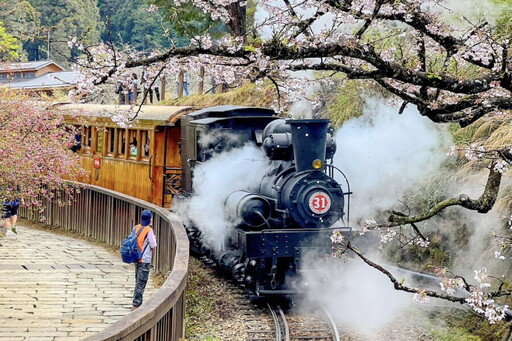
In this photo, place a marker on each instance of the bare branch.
(482, 205)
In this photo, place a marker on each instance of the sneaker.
(14, 230)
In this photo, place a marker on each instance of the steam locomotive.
(294, 208)
(273, 226)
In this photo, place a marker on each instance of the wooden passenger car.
(155, 173)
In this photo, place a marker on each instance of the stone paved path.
(55, 287)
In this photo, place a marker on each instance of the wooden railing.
(109, 216)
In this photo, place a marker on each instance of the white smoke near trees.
(384, 155)
(355, 294)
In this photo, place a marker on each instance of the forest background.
(43, 27)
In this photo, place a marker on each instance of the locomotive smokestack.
(308, 139)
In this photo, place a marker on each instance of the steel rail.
(332, 324)
(282, 330)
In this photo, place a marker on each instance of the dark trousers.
(141, 278)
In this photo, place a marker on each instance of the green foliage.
(248, 94)
(22, 21)
(8, 45)
(454, 334)
(347, 104)
(348, 100)
(60, 21)
(197, 305)
(462, 327)
(438, 254)
(464, 135)
(504, 22)
(188, 21)
(130, 23)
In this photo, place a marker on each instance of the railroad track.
(276, 325)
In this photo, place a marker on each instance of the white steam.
(214, 180)
(384, 155)
(355, 294)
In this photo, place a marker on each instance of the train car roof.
(148, 114)
(210, 120)
(231, 110)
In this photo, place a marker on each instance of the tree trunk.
(237, 21)
(162, 93)
(200, 87)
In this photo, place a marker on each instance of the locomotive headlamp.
(317, 164)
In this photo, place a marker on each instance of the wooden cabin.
(152, 173)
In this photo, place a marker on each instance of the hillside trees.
(9, 46)
(453, 72)
(22, 21)
(59, 21)
(128, 23)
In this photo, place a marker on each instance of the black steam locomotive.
(293, 211)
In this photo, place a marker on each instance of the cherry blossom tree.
(36, 157)
(453, 70)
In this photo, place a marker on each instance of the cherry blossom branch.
(368, 21)
(398, 285)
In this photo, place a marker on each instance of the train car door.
(167, 170)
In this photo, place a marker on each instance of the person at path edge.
(10, 214)
(147, 242)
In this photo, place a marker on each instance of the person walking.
(134, 89)
(10, 214)
(147, 243)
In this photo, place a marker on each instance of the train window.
(121, 141)
(100, 140)
(86, 139)
(77, 131)
(144, 138)
(110, 135)
(134, 144)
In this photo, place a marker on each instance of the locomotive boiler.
(292, 212)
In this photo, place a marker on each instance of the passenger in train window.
(146, 149)
(77, 143)
(133, 149)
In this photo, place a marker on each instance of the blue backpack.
(130, 252)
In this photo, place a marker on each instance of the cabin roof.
(154, 114)
(25, 66)
(48, 80)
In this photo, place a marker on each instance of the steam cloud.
(214, 180)
(384, 155)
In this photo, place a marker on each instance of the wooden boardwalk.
(55, 287)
